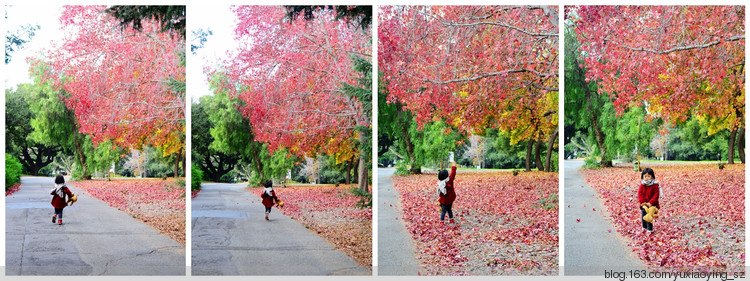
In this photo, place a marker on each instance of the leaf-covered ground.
(12, 189)
(701, 222)
(505, 224)
(332, 212)
(158, 203)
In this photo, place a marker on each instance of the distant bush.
(13, 170)
(196, 177)
(591, 163)
(365, 198)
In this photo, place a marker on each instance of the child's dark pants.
(446, 208)
(58, 213)
(646, 225)
(268, 210)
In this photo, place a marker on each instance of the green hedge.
(196, 177)
(13, 170)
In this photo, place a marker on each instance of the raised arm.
(453, 173)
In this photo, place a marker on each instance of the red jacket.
(649, 194)
(268, 201)
(450, 193)
(59, 202)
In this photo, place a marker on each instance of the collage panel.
(654, 140)
(281, 138)
(468, 140)
(95, 140)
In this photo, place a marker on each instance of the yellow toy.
(279, 202)
(651, 213)
(72, 200)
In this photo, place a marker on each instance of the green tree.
(634, 133)
(395, 125)
(583, 105)
(692, 141)
(280, 163)
(214, 164)
(103, 156)
(54, 124)
(32, 155)
(232, 133)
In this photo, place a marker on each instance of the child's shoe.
(59, 222)
(452, 222)
(54, 218)
(442, 222)
(266, 216)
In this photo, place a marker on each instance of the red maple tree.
(289, 75)
(468, 64)
(676, 60)
(119, 80)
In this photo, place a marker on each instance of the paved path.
(395, 245)
(231, 237)
(95, 239)
(590, 248)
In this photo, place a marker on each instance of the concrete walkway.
(231, 237)
(590, 248)
(95, 239)
(395, 245)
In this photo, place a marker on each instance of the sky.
(221, 21)
(47, 17)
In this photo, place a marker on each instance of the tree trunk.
(82, 159)
(177, 165)
(550, 145)
(210, 171)
(730, 151)
(349, 167)
(599, 135)
(529, 147)
(259, 169)
(741, 144)
(415, 169)
(36, 157)
(362, 178)
(27, 162)
(538, 153)
(184, 159)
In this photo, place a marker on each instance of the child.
(268, 196)
(58, 198)
(447, 193)
(648, 195)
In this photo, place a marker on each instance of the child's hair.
(268, 183)
(442, 174)
(648, 171)
(59, 179)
